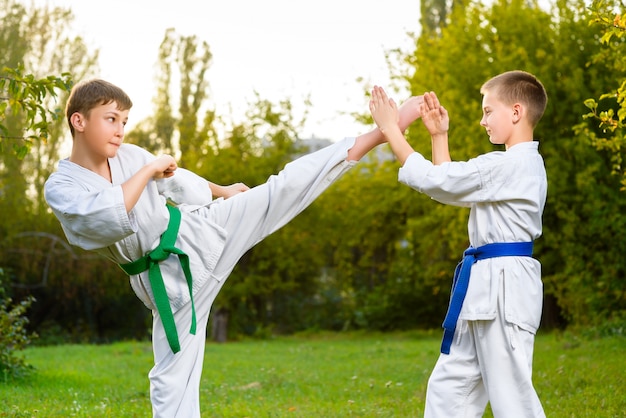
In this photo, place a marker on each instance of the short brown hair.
(91, 93)
(519, 86)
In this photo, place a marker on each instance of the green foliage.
(181, 128)
(252, 150)
(23, 94)
(36, 41)
(608, 111)
(25, 120)
(81, 297)
(14, 336)
(376, 232)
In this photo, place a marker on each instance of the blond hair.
(519, 87)
(91, 93)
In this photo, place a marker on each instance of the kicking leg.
(250, 216)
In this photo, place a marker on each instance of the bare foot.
(409, 111)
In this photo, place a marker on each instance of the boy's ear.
(78, 121)
(518, 111)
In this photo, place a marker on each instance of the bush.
(13, 334)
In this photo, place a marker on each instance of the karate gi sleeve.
(491, 177)
(185, 187)
(455, 183)
(90, 219)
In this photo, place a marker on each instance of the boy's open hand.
(434, 116)
(164, 167)
(384, 110)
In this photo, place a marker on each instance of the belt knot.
(158, 254)
(460, 283)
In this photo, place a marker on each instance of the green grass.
(325, 375)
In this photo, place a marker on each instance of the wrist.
(390, 131)
(151, 170)
(442, 136)
(216, 189)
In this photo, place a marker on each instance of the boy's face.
(498, 119)
(103, 131)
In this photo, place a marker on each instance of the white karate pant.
(248, 218)
(489, 361)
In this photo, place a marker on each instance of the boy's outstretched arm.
(437, 122)
(386, 115)
(408, 113)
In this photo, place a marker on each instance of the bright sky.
(280, 48)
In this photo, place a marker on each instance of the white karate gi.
(213, 233)
(491, 357)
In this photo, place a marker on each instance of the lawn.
(322, 375)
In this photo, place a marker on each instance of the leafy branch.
(611, 135)
(24, 94)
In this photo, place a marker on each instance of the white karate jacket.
(506, 193)
(93, 216)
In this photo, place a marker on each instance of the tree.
(609, 110)
(23, 95)
(22, 106)
(70, 294)
(185, 132)
(33, 39)
(434, 14)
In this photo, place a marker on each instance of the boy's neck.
(517, 142)
(521, 135)
(91, 162)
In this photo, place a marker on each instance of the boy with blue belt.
(162, 225)
(497, 293)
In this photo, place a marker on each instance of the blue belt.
(462, 276)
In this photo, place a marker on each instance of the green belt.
(151, 262)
